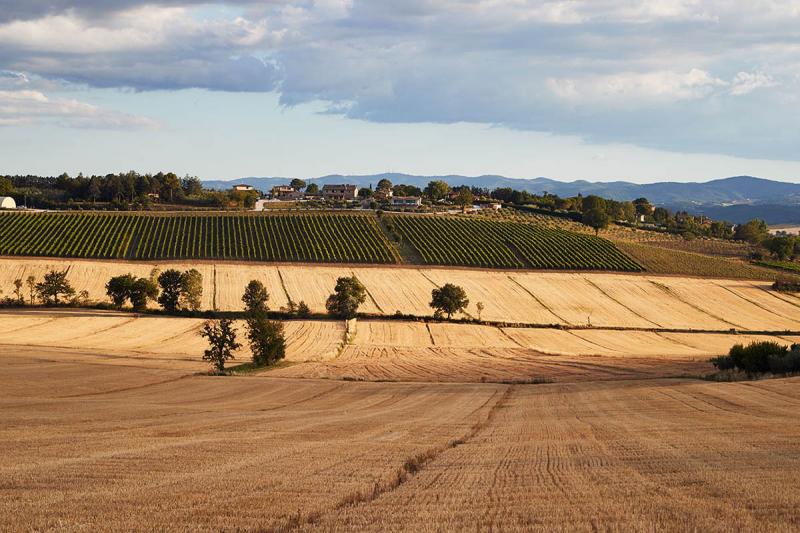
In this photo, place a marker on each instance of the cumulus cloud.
(669, 74)
(26, 107)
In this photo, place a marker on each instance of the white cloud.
(634, 71)
(28, 106)
(747, 82)
(633, 88)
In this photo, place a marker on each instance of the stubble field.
(397, 425)
(93, 446)
(545, 298)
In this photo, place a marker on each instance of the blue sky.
(575, 89)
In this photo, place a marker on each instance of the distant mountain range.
(736, 199)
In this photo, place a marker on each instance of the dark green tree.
(170, 282)
(303, 311)
(119, 288)
(437, 190)
(141, 291)
(266, 339)
(347, 296)
(297, 184)
(312, 188)
(191, 290)
(593, 202)
(465, 198)
(5, 186)
(255, 298)
(222, 342)
(754, 232)
(448, 300)
(781, 247)
(596, 218)
(54, 286)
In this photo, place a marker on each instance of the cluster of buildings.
(341, 193)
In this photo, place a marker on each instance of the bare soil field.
(92, 446)
(573, 299)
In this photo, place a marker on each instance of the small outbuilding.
(6, 202)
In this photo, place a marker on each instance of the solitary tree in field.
(18, 290)
(191, 290)
(348, 295)
(222, 342)
(54, 286)
(170, 283)
(30, 281)
(266, 338)
(255, 298)
(448, 300)
(596, 218)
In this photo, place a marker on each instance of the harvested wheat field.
(91, 446)
(445, 352)
(142, 340)
(544, 298)
(379, 349)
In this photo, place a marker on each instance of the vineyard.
(309, 238)
(490, 244)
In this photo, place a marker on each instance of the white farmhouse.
(6, 202)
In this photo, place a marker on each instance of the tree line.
(122, 191)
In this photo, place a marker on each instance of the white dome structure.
(6, 202)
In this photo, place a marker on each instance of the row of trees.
(172, 289)
(266, 337)
(120, 191)
(53, 289)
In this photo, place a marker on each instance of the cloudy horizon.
(643, 91)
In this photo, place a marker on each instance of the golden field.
(91, 446)
(391, 425)
(572, 299)
(389, 350)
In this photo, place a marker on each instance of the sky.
(643, 91)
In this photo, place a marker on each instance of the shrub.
(784, 284)
(785, 364)
(723, 362)
(303, 311)
(755, 357)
